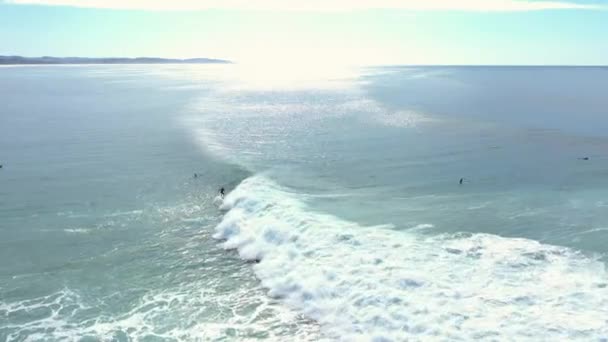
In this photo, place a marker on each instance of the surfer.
(461, 181)
(583, 158)
(222, 192)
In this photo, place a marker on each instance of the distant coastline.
(20, 60)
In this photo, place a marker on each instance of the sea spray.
(374, 283)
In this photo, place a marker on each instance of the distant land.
(13, 60)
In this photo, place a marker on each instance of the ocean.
(345, 217)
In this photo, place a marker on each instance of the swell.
(377, 283)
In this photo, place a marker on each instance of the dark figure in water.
(461, 181)
(195, 175)
(222, 192)
(584, 158)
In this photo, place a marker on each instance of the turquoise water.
(345, 218)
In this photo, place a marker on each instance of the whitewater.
(375, 284)
(344, 218)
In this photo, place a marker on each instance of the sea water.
(345, 218)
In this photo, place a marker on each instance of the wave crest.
(373, 283)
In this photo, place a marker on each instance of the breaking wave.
(380, 284)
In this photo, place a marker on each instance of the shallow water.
(345, 219)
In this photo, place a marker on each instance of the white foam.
(125, 213)
(218, 200)
(595, 230)
(77, 230)
(368, 283)
(423, 226)
(191, 312)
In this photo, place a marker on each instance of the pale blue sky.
(400, 32)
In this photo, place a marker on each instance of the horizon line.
(227, 61)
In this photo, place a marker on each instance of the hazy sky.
(354, 32)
